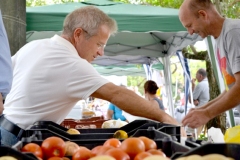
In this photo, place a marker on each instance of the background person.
(150, 90)
(52, 75)
(115, 113)
(201, 17)
(5, 65)
(5, 70)
(201, 91)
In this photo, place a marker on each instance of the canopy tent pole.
(210, 42)
(168, 83)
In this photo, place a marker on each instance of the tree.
(228, 8)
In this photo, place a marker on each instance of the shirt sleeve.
(5, 62)
(111, 107)
(233, 49)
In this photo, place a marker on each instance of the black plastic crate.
(45, 126)
(226, 149)
(90, 138)
(7, 151)
(44, 132)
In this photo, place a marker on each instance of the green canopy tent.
(147, 34)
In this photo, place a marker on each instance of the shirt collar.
(63, 42)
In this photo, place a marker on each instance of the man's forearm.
(226, 101)
(132, 103)
(1, 104)
(214, 100)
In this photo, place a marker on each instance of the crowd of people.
(46, 76)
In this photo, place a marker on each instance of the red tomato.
(95, 150)
(142, 155)
(104, 149)
(33, 148)
(149, 143)
(118, 154)
(156, 152)
(132, 146)
(53, 147)
(82, 154)
(55, 158)
(112, 142)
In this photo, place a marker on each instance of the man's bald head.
(195, 5)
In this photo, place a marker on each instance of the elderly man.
(52, 75)
(201, 91)
(201, 17)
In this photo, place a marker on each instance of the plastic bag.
(215, 134)
(113, 124)
(232, 135)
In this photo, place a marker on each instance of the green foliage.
(136, 81)
(31, 3)
(161, 3)
(229, 8)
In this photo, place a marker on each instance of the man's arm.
(130, 102)
(109, 114)
(5, 64)
(1, 104)
(227, 100)
(214, 100)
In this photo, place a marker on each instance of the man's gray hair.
(202, 72)
(88, 18)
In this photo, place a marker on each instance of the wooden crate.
(94, 122)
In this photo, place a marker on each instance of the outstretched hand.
(196, 117)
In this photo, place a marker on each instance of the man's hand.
(196, 117)
(193, 81)
(195, 102)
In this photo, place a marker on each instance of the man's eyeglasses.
(100, 46)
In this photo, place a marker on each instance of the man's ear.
(202, 13)
(77, 33)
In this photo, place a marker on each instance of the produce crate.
(43, 133)
(47, 131)
(7, 151)
(94, 122)
(226, 149)
(130, 128)
(163, 141)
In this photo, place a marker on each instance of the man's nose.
(190, 31)
(100, 52)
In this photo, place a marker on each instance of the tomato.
(82, 154)
(142, 155)
(104, 149)
(112, 142)
(156, 152)
(132, 146)
(149, 143)
(95, 150)
(53, 147)
(118, 154)
(33, 148)
(55, 158)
